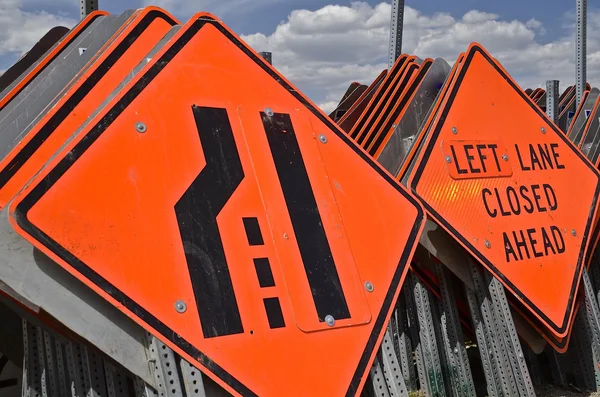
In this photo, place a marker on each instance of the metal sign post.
(87, 7)
(552, 99)
(581, 51)
(397, 22)
(267, 56)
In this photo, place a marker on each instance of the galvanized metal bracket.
(403, 344)
(175, 377)
(511, 339)
(391, 366)
(459, 369)
(54, 366)
(432, 378)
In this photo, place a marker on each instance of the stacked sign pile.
(436, 232)
(493, 175)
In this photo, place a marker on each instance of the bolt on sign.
(510, 187)
(207, 200)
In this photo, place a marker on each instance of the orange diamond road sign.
(510, 186)
(216, 206)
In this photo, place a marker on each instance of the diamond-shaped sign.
(510, 186)
(216, 206)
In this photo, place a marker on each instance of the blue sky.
(322, 65)
(263, 16)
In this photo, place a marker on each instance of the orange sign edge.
(584, 97)
(362, 97)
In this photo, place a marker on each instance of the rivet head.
(487, 244)
(323, 138)
(140, 127)
(448, 159)
(573, 232)
(285, 236)
(454, 130)
(269, 112)
(505, 157)
(369, 286)
(180, 306)
(543, 130)
(329, 320)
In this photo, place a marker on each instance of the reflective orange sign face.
(216, 206)
(529, 228)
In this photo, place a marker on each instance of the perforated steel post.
(397, 22)
(552, 96)
(87, 7)
(580, 49)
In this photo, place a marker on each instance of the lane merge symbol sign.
(233, 220)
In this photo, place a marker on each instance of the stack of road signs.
(436, 232)
(496, 190)
(353, 108)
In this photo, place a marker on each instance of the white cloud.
(328, 107)
(20, 30)
(475, 16)
(322, 51)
